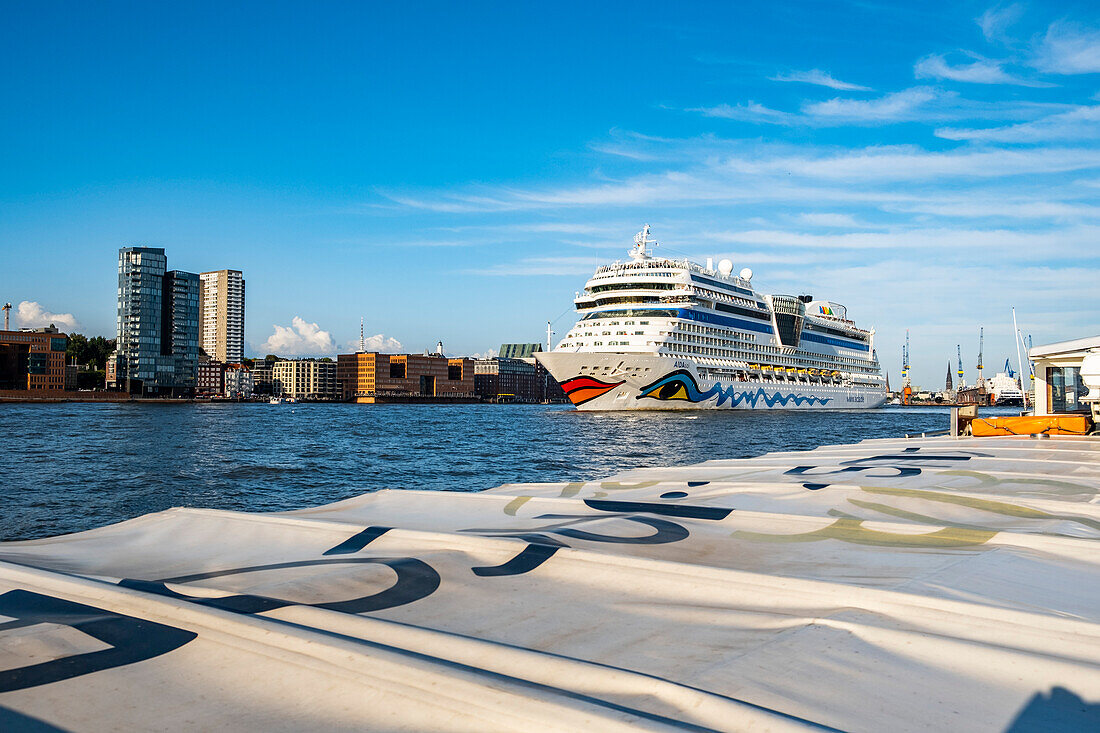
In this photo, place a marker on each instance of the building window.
(397, 370)
(454, 371)
(1066, 389)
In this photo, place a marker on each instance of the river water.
(73, 466)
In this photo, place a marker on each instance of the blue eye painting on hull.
(681, 385)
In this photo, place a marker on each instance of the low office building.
(506, 380)
(238, 381)
(548, 388)
(33, 360)
(1060, 373)
(262, 374)
(371, 377)
(305, 379)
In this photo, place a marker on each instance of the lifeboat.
(1031, 425)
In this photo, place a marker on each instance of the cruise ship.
(656, 333)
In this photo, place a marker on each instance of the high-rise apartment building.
(157, 325)
(222, 315)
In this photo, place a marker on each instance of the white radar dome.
(725, 267)
(746, 274)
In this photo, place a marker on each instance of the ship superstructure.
(660, 333)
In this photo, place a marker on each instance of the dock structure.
(936, 584)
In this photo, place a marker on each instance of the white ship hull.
(621, 381)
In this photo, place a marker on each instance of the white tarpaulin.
(891, 585)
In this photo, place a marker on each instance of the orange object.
(1027, 425)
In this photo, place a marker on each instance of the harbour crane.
(958, 350)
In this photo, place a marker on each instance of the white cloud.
(889, 108)
(299, 339)
(379, 343)
(1069, 48)
(829, 220)
(487, 354)
(542, 266)
(996, 21)
(1081, 123)
(820, 78)
(752, 172)
(31, 314)
(1005, 243)
(981, 71)
(750, 112)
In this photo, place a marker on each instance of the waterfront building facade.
(157, 324)
(181, 327)
(548, 388)
(209, 378)
(506, 380)
(365, 376)
(238, 381)
(308, 379)
(221, 315)
(262, 374)
(33, 360)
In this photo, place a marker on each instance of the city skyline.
(460, 177)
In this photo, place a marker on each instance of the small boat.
(275, 401)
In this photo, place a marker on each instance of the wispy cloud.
(996, 21)
(771, 173)
(1009, 244)
(1081, 123)
(32, 314)
(820, 78)
(891, 107)
(748, 112)
(1069, 48)
(830, 220)
(980, 71)
(541, 266)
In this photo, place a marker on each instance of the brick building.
(33, 360)
(209, 378)
(367, 376)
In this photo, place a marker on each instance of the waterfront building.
(33, 360)
(157, 324)
(506, 380)
(221, 315)
(238, 381)
(366, 376)
(262, 374)
(309, 379)
(181, 327)
(209, 378)
(548, 388)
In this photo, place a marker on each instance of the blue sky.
(455, 171)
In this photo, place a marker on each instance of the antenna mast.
(906, 384)
(958, 350)
(981, 348)
(549, 337)
(362, 341)
(1019, 358)
(7, 310)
